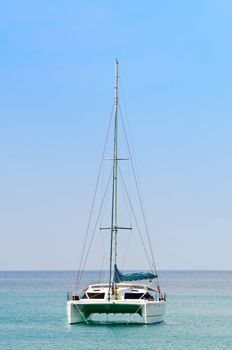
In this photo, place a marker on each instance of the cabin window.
(96, 295)
(148, 296)
(133, 295)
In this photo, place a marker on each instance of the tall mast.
(114, 212)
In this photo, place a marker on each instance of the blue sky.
(56, 92)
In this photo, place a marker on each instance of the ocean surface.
(33, 314)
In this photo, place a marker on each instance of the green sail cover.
(135, 276)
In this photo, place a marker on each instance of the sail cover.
(135, 276)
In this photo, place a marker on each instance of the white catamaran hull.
(79, 311)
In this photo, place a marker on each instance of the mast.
(114, 210)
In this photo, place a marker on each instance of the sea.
(33, 314)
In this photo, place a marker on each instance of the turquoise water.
(199, 314)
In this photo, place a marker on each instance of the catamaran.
(122, 293)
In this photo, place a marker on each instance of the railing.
(155, 296)
(162, 296)
(72, 296)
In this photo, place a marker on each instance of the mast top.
(116, 88)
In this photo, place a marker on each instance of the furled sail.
(135, 276)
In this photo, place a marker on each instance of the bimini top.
(135, 276)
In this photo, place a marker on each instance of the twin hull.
(150, 311)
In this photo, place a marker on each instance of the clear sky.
(56, 92)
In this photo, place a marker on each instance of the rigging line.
(99, 279)
(82, 314)
(107, 275)
(138, 190)
(129, 233)
(128, 123)
(126, 249)
(103, 244)
(91, 240)
(100, 210)
(104, 259)
(102, 183)
(95, 193)
(134, 314)
(124, 103)
(125, 201)
(104, 205)
(136, 222)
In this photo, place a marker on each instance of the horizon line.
(97, 270)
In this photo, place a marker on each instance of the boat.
(127, 294)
